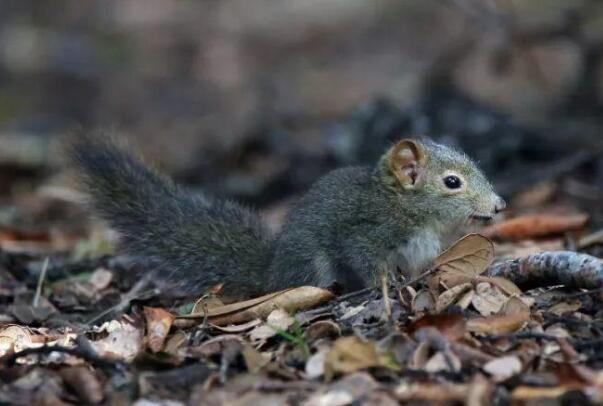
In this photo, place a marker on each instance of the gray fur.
(353, 224)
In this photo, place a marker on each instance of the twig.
(79, 352)
(385, 293)
(128, 297)
(41, 279)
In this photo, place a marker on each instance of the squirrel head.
(439, 180)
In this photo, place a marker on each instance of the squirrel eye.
(452, 182)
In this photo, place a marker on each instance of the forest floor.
(78, 326)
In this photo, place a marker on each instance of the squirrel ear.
(407, 162)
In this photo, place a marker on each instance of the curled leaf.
(452, 295)
(291, 300)
(159, 322)
(463, 261)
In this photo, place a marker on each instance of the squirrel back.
(193, 242)
(354, 224)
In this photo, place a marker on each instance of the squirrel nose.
(500, 204)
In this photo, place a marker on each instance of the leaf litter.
(477, 327)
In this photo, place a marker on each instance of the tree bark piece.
(572, 269)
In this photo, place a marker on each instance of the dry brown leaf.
(254, 359)
(488, 299)
(463, 261)
(176, 344)
(496, 325)
(350, 354)
(159, 321)
(423, 302)
(436, 393)
(452, 295)
(563, 308)
(207, 303)
(466, 299)
(290, 300)
(515, 305)
(84, 382)
(536, 225)
(505, 285)
(277, 320)
(15, 337)
(321, 329)
(451, 326)
(531, 393)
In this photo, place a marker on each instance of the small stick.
(79, 352)
(41, 279)
(385, 292)
(132, 294)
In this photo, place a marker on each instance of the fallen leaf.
(420, 356)
(479, 392)
(530, 393)
(291, 300)
(350, 354)
(439, 362)
(452, 295)
(563, 308)
(504, 284)
(124, 340)
(315, 365)
(84, 382)
(464, 260)
(488, 299)
(501, 369)
(431, 392)
(515, 305)
(321, 329)
(279, 319)
(208, 303)
(219, 345)
(358, 388)
(14, 337)
(536, 225)
(159, 321)
(499, 324)
(254, 359)
(451, 326)
(423, 302)
(176, 344)
(466, 299)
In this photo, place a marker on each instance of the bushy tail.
(194, 242)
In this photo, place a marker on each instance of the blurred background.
(255, 99)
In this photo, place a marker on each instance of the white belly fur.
(417, 254)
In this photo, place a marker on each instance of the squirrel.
(352, 225)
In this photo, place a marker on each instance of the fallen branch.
(572, 269)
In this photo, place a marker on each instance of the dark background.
(254, 99)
